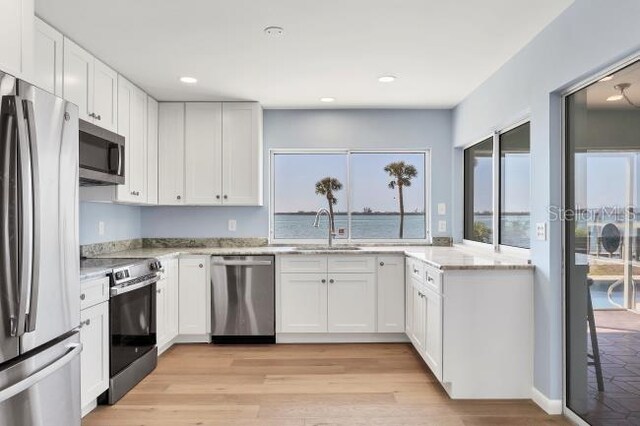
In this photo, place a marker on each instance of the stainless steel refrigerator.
(39, 258)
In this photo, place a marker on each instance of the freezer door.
(9, 288)
(53, 298)
(43, 389)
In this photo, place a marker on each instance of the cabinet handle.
(381, 263)
(429, 279)
(225, 197)
(331, 281)
(415, 271)
(92, 115)
(200, 265)
(82, 296)
(178, 197)
(217, 197)
(97, 117)
(323, 281)
(158, 291)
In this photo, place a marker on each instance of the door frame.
(564, 94)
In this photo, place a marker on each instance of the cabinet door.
(105, 96)
(303, 303)
(352, 303)
(47, 56)
(433, 331)
(152, 151)
(242, 153)
(138, 141)
(172, 278)
(171, 153)
(78, 78)
(16, 37)
(161, 311)
(203, 153)
(193, 299)
(391, 294)
(94, 359)
(126, 95)
(418, 321)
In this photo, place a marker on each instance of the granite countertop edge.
(475, 261)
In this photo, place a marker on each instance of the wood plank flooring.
(303, 385)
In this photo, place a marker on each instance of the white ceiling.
(440, 50)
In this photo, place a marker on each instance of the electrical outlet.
(442, 226)
(541, 231)
(233, 225)
(101, 228)
(442, 208)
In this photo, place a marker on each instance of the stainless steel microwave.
(101, 156)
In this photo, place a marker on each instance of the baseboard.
(550, 406)
(192, 338)
(89, 407)
(341, 338)
(165, 346)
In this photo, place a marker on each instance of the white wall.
(364, 129)
(588, 37)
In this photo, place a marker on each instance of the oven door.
(132, 326)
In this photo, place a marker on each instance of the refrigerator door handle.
(32, 308)
(9, 211)
(25, 217)
(10, 391)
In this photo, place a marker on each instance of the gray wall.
(364, 129)
(588, 37)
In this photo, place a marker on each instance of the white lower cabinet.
(303, 301)
(432, 314)
(391, 299)
(351, 303)
(94, 359)
(167, 305)
(194, 308)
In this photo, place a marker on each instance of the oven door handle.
(117, 291)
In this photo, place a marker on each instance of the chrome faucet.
(316, 224)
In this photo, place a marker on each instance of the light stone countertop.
(445, 258)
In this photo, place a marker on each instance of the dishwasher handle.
(242, 262)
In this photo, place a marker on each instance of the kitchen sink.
(333, 248)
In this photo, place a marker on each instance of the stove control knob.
(119, 275)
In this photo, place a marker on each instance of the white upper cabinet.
(132, 124)
(16, 37)
(91, 85)
(203, 153)
(171, 153)
(105, 96)
(47, 56)
(152, 151)
(242, 153)
(210, 153)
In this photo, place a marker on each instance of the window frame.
(495, 245)
(350, 241)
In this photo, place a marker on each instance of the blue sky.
(295, 176)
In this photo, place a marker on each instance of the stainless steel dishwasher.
(243, 299)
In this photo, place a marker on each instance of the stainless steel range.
(132, 323)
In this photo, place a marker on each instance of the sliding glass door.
(602, 188)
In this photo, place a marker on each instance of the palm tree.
(402, 174)
(327, 186)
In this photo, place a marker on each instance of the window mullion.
(496, 191)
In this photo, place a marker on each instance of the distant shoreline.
(353, 214)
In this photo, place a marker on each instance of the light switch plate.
(442, 208)
(101, 228)
(233, 225)
(541, 231)
(442, 226)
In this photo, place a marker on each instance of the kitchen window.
(496, 189)
(373, 195)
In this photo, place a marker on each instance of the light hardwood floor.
(296, 385)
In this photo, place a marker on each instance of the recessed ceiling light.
(188, 80)
(387, 79)
(274, 31)
(614, 98)
(327, 99)
(607, 78)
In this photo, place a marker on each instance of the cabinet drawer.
(433, 279)
(415, 268)
(93, 292)
(303, 264)
(352, 264)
